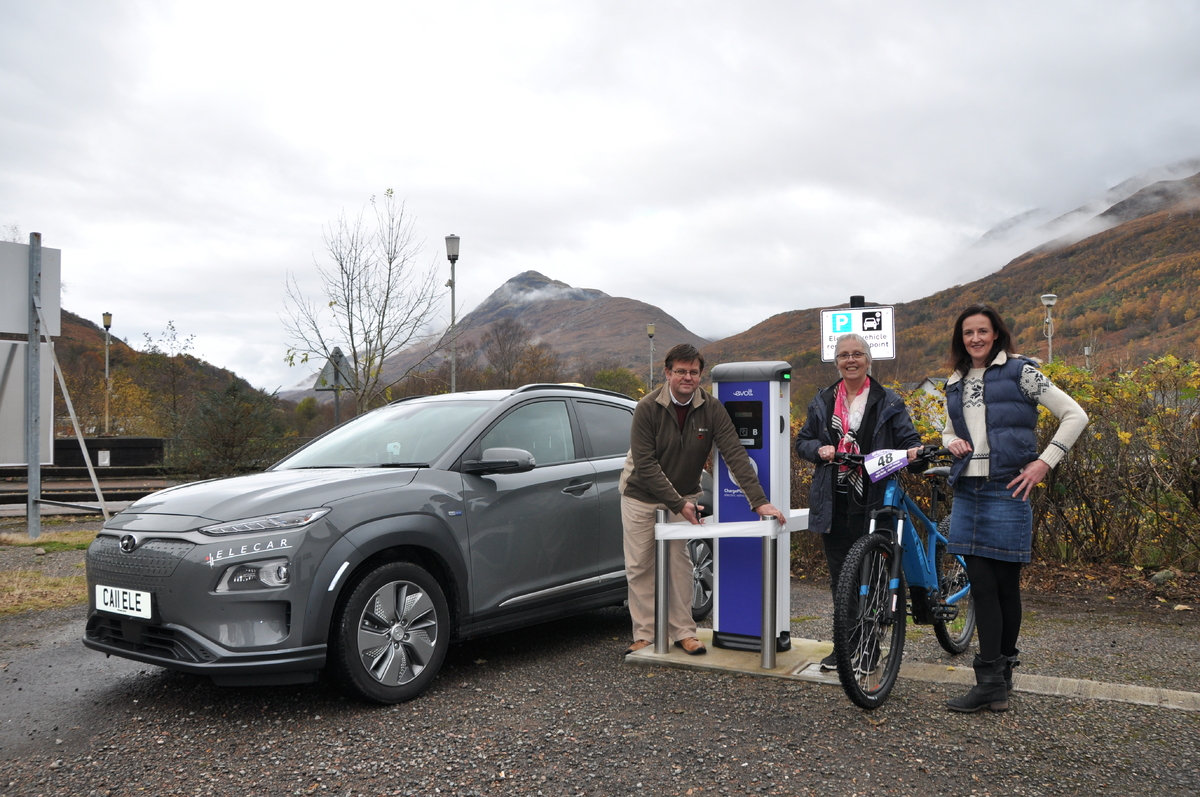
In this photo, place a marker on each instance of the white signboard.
(875, 324)
(12, 404)
(14, 298)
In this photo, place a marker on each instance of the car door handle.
(577, 489)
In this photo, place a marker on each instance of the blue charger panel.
(741, 559)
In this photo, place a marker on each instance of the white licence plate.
(129, 602)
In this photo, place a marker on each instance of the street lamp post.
(107, 383)
(650, 334)
(1048, 299)
(452, 256)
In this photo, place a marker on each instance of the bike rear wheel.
(953, 635)
(868, 635)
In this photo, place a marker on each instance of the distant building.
(934, 385)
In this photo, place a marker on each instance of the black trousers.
(996, 591)
(849, 523)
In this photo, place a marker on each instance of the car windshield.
(404, 434)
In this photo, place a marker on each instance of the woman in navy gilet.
(992, 400)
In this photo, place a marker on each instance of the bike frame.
(917, 558)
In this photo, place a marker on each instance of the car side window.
(607, 427)
(542, 428)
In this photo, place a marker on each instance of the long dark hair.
(960, 359)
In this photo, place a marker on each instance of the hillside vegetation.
(1128, 292)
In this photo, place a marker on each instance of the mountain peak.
(528, 287)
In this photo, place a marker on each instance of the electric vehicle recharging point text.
(757, 396)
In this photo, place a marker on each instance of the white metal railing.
(768, 530)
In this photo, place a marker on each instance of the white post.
(33, 390)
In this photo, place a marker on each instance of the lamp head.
(452, 248)
(1049, 299)
(650, 330)
(107, 321)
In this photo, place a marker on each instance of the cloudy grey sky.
(725, 161)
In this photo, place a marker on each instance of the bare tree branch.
(377, 300)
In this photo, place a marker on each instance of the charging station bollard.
(770, 584)
(662, 589)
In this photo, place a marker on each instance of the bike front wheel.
(953, 635)
(868, 622)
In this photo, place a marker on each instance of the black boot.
(1011, 662)
(989, 691)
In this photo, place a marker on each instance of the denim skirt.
(987, 521)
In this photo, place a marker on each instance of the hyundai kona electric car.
(368, 551)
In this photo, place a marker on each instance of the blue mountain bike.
(901, 565)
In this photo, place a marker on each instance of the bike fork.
(894, 570)
(894, 596)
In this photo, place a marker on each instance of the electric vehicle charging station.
(757, 396)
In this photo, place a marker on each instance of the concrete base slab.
(802, 663)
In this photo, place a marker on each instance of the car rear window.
(607, 427)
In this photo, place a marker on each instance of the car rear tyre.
(391, 635)
(702, 578)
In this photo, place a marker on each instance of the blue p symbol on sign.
(842, 323)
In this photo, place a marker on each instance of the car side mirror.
(500, 460)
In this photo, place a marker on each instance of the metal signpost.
(337, 375)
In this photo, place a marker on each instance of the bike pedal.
(944, 613)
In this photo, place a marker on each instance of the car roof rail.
(575, 386)
(408, 398)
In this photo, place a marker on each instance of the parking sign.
(875, 324)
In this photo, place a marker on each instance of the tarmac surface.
(1105, 704)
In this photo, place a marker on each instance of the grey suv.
(369, 550)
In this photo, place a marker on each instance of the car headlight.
(283, 521)
(256, 575)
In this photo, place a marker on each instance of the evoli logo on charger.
(744, 392)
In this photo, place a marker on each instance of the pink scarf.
(847, 417)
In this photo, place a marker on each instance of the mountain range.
(1126, 266)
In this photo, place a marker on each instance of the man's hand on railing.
(767, 510)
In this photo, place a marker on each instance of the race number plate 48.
(129, 602)
(883, 463)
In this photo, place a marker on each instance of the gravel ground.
(553, 710)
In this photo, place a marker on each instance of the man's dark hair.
(960, 360)
(684, 352)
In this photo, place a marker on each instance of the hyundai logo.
(128, 543)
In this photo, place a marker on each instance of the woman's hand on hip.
(1032, 475)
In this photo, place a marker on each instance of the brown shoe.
(691, 646)
(636, 646)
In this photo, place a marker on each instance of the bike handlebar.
(926, 454)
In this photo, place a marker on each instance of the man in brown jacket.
(674, 429)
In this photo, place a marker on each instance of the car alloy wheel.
(702, 578)
(392, 633)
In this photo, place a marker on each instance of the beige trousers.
(638, 519)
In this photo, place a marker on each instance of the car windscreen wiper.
(403, 465)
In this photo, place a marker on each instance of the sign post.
(337, 375)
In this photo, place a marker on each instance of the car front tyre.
(391, 635)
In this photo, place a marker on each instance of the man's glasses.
(852, 355)
(679, 372)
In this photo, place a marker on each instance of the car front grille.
(147, 567)
(153, 640)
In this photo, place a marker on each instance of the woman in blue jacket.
(856, 415)
(992, 400)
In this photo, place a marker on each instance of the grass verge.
(51, 541)
(26, 590)
(29, 590)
